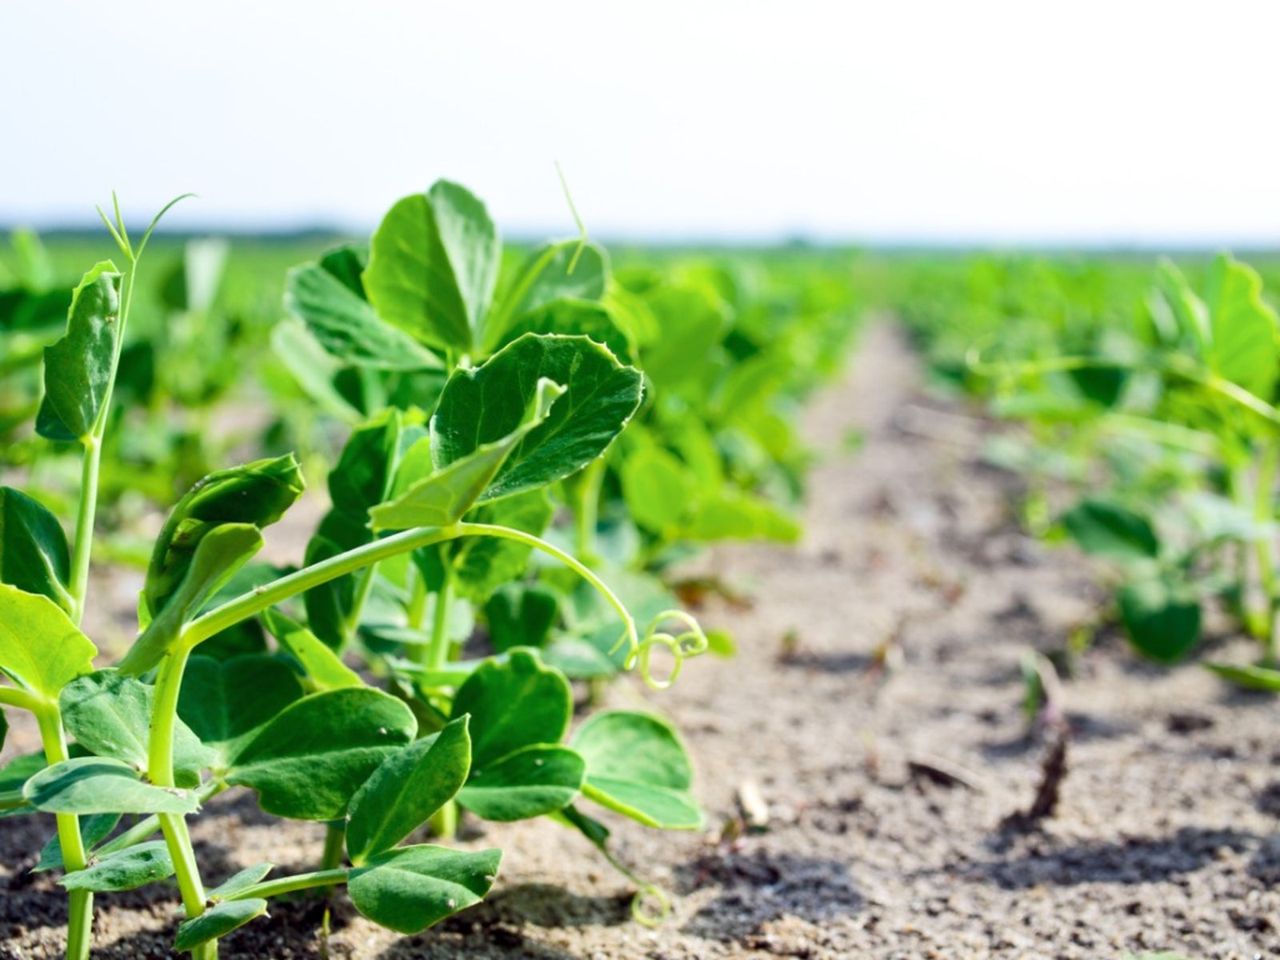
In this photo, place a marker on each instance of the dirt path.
(1166, 834)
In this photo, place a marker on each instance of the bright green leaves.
(226, 703)
(637, 766)
(445, 495)
(218, 921)
(545, 278)
(213, 531)
(309, 760)
(1112, 531)
(519, 711)
(334, 308)
(513, 703)
(255, 494)
(1162, 617)
(527, 782)
(321, 666)
(409, 786)
(126, 869)
(485, 405)
(41, 650)
(411, 888)
(1244, 328)
(79, 368)
(110, 714)
(102, 785)
(362, 478)
(433, 264)
(33, 548)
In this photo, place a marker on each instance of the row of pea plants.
(344, 690)
(1160, 410)
(338, 691)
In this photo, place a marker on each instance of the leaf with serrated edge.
(485, 404)
(78, 367)
(442, 498)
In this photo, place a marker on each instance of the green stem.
(1264, 513)
(255, 601)
(146, 828)
(586, 514)
(160, 770)
(417, 609)
(436, 653)
(444, 822)
(89, 470)
(74, 857)
(335, 841)
(301, 881)
(91, 464)
(364, 586)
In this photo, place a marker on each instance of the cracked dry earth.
(886, 793)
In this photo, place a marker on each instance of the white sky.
(1035, 121)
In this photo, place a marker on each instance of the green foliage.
(411, 888)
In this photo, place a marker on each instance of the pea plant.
(1195, 516)
(237, 677)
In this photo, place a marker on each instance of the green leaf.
(733, 515)
(521, 615)
(256, 494)
(544, 278)
(226, 703)
(433, 263)
(20, 769)
(527, 783)
(660, 490)
(637, 766)
(41, 650)
(217, 922)
(320, 664)
(313, 756)
(513, 703)
(482, 564)
(1250, 677)
(221, 552)
(126, 869)
(109, 714)
(33, 548)
(575, 318)
(691, 322)
(1110, 530)
(363, 478)
(410, 785)
(102, 785)
(78, 368)
(93, 830)
(242, 880)
(1244, 328)
(488, 403)
(346, 326)
(1163, 622)
(411, 888)
(442, 498)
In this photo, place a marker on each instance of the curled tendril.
(690, 642)
(651, 906)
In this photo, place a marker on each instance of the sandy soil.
(887, 794)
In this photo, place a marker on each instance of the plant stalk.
(301, 881)
(74, 857)
(436, 654)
